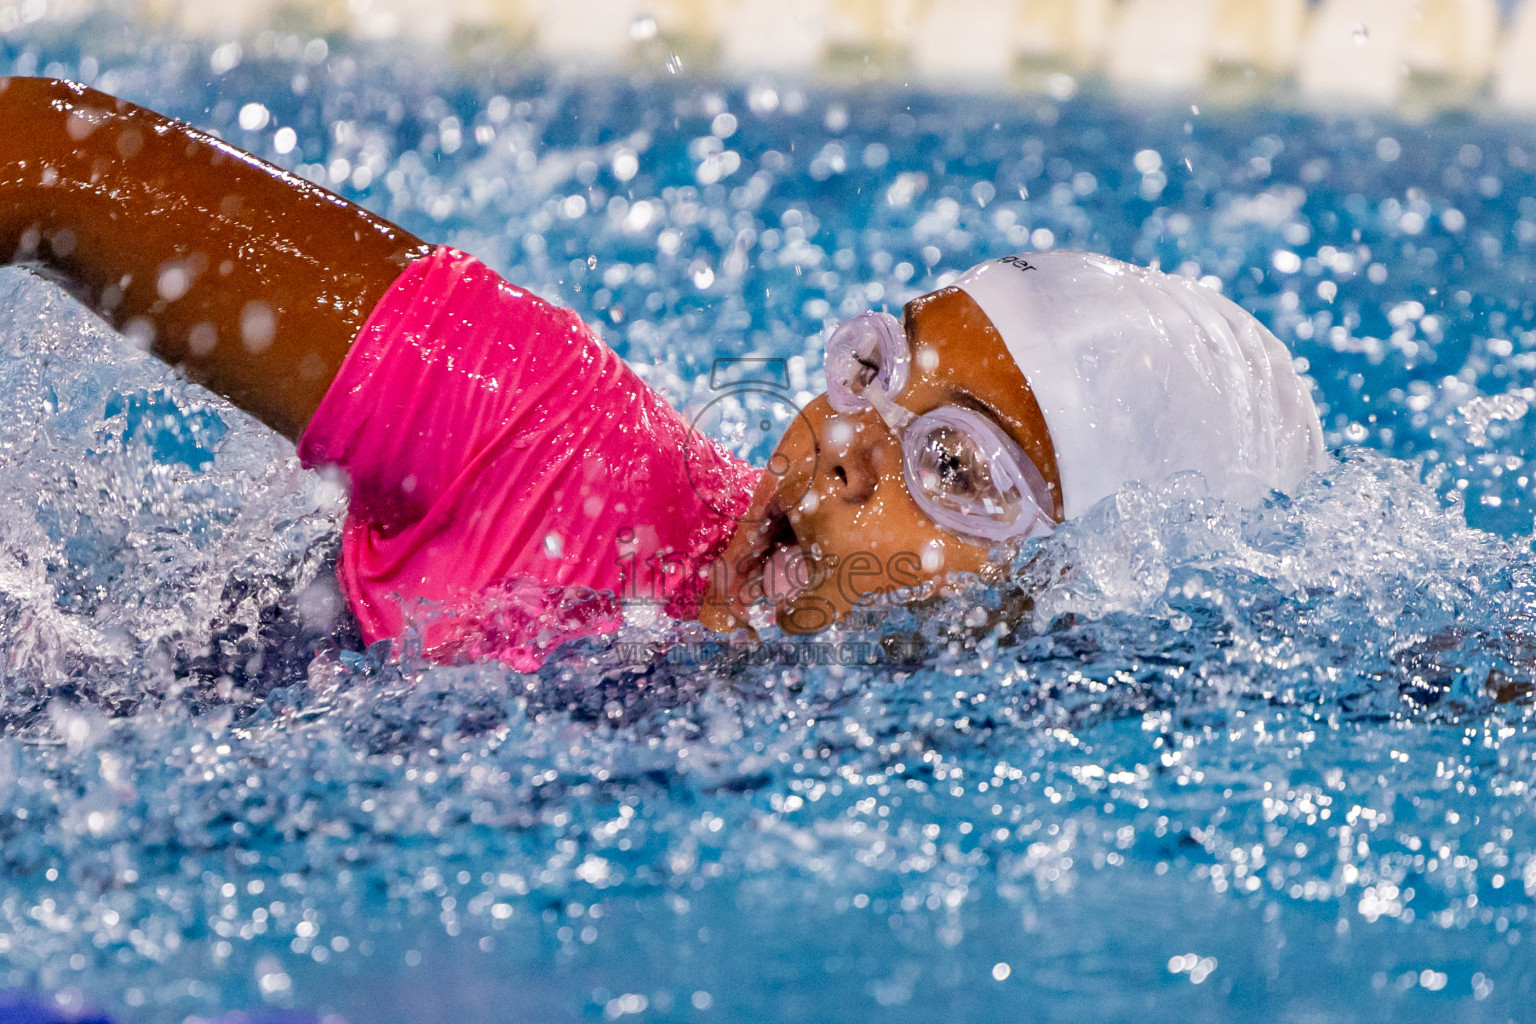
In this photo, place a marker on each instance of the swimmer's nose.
(839, 451)
(853, 480)
(851, 472)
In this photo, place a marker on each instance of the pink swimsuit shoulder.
(513, 483)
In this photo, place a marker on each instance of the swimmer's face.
(840, 493)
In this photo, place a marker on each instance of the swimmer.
(513, 484)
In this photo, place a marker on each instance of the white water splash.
(1483, 410)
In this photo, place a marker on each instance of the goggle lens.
(869, 351)
(953, 471)
(972, 479)
(966, 475)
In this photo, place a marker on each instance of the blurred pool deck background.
(1413, 54)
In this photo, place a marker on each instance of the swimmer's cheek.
(906, 569)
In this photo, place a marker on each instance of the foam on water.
(1188, 762)
(157, 522)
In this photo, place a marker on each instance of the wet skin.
(840, 492)
(251, 280)
(254, 282)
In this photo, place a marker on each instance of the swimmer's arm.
(250, 279)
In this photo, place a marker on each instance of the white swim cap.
(1141, 375)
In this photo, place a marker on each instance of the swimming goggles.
(963, 471)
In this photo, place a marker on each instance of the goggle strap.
(896, 417)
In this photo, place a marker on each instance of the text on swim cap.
(1018, 263)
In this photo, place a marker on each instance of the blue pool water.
(1270, 765)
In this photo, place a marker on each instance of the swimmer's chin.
(799, 616)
